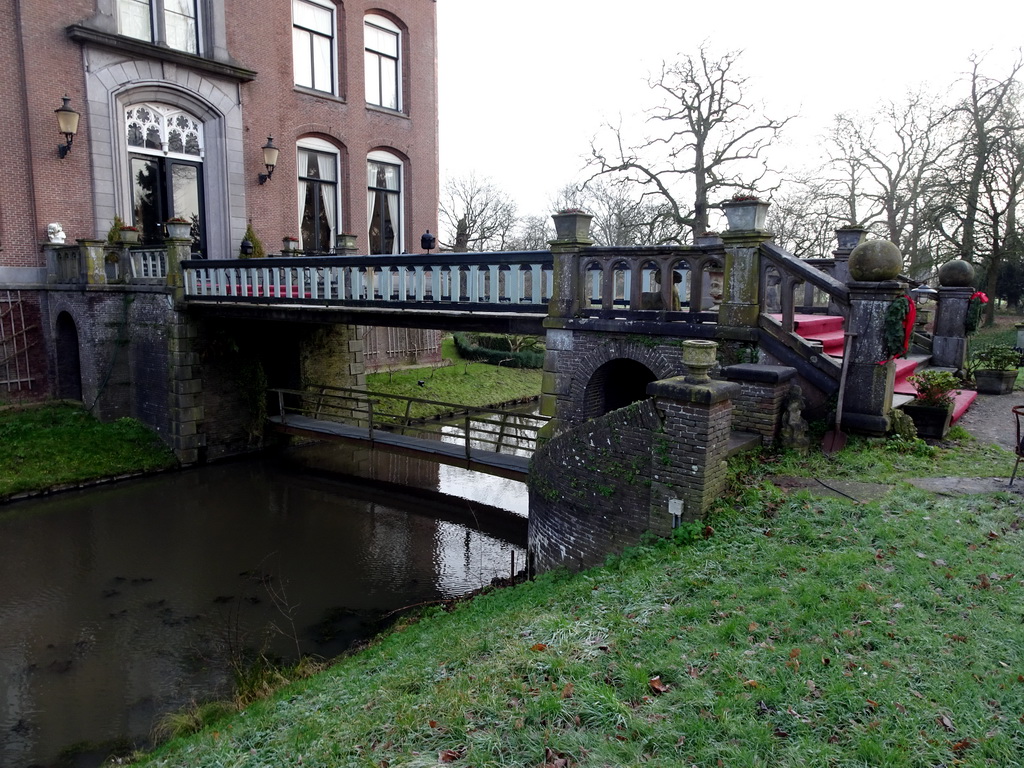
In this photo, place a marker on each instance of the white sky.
(524, 85)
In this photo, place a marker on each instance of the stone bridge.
(191, 347)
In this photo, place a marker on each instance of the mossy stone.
(956, 274)
(875, 260)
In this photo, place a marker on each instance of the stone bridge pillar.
(741, 304)
(949, 341)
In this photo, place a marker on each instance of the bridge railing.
(782, 274)
(678, 282)
(509, 281)
(481, 429)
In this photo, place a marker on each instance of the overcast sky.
(524, 85)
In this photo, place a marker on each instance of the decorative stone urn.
(849, 238)
(699, 356)
(289, 244)
(956, 274)
(572, 225)
(746, 215)
(128, 236)
(874, 261)
(179, 230)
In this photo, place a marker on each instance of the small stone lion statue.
(55, 233)
(794, 434)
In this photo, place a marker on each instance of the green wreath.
(974, 309)
(894, 330)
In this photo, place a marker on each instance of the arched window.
(383, 45)
(319, 203)
(165, 160)
(384, 202)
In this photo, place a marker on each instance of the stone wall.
(590, 489)
(123, 350)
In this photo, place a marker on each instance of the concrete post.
(870, 378)
(949, 342)
(742, 301)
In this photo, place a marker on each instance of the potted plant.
(128, 234)
(572, 224)
(745, 212)
(290, 244)
(932, 410)
(179, 228)
(995, 369)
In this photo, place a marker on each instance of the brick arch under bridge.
(597, 372)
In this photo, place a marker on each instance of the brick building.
(177, 100)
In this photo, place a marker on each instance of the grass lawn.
(455, 381)
(51, 445)
(790, 631)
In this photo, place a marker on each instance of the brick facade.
(241, 87)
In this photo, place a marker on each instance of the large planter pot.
(931, 421)
(574, 227)
(177, 230)
(992, 382)
(746, 215)
(128, 236)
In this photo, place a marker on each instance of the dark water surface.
(125, 602)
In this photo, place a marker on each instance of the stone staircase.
(828, 329)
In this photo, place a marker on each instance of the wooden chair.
(1018, 445)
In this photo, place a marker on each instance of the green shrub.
(470, 351)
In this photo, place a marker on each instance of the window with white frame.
(384, 202)
(174, 23)
(319, 209)
(313, 25)
(382, 40)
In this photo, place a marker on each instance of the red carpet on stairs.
(828, 329)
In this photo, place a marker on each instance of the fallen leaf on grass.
(567, 691)
(449, 755)
(656, 685)
(945, 722)
(962, 745)
(538, 647)
(553, 759)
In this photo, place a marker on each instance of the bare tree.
(475, 215)
(707, 142)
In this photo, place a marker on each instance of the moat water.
(125, 602)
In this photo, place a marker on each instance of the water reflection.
(122, 603)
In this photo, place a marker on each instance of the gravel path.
(990, 419)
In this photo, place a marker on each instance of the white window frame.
(372, 73)
(382, 156)
(306, 33)
(157, 11)
(324, 147)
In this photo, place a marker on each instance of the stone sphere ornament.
(956, 274)
(875, 260)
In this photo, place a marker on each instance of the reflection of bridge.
(483, 439)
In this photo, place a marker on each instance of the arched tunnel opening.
(614, 385)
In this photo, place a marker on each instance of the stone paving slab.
(864, 492)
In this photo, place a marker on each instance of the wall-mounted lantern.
(270, 153)
(67, 123)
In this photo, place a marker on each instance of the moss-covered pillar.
(572, 239)
(949, 341)
(94, 265)
(332, 355)
(688, 470)
(178, 250)
(741, 303)
(187, 411)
